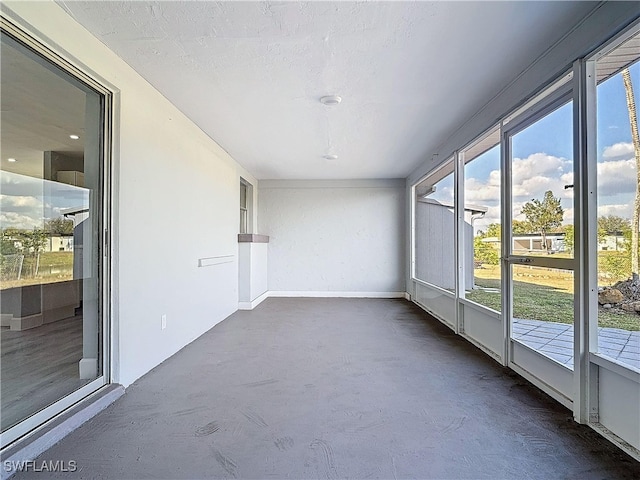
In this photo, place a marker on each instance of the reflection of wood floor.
(38, 367)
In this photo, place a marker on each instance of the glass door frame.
(558, 384)
(32, 423)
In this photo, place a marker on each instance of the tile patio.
(555, 340)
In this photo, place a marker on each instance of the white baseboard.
(319, 294)
(254, 303)
(5, 319)
(25, 323)
(329, 294)
(54, 314)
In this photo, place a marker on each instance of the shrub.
(614, 266)
(483, 252)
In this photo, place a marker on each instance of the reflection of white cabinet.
(70, 177)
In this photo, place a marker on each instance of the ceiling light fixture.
(330, 100)
(74, 137)
(330, 156)
(11, 160)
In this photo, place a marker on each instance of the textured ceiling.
(251, 74)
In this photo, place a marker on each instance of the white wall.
(334, 236)
(176, 196)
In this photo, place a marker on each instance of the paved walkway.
(555, 340)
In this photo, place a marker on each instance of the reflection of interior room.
(43, 180)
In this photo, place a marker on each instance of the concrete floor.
(335, 388)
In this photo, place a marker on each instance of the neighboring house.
(436, 264)
(59, 243)
(612, 242)
(531, 243)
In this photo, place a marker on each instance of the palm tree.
(633, 120)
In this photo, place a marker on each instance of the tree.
(59, 226)
(519, 227)
(613, 224)
(545, 215)
(633, 121)
(33, 241)
(8, 242)
(569, 237)
(494, 230)
(8, 247)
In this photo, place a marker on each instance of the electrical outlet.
(163, 323)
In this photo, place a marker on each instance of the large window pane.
(50, 212)
(618, 313)
(434, 229)
(481, 237)
(542, 226)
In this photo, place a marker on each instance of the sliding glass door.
(52, 251)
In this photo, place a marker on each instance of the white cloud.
(535, 187)
(19, 202)
(567, 178)
(539, 172)
(534, 175)
(21, 211)
(443, 195)
(616, 177)
(620, 210)
(478, 192)
(517, 211)
(17, 220)
(538, 164)
(567, 216)
(618, 150)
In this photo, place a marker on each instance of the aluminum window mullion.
(458, 202)
(506, 214)
(412, 222)
(585, 406)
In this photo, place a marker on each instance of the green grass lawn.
(53, 267)
(546, 302)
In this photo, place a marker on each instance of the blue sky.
(613, 122)
(543, 155)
